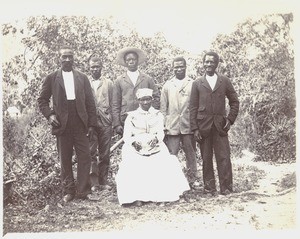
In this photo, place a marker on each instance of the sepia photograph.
(142, 119)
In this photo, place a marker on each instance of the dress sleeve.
(128, 131)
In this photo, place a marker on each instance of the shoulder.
(198, 80)
(108, 81)
(132, 115)
(52, 74)
(145, 76)
(223, 77)
(80, 74)
(121, 78)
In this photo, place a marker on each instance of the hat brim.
(120, 55)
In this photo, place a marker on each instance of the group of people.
(85, 112)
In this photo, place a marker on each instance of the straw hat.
(120, 55)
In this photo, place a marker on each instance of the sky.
(190, 24)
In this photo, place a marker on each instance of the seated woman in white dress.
(147, 172)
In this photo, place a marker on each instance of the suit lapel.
(139, 80)
(78, 82)
(60, 79)
(127, 79)
(185, 83)
(205, 83)
(218, 83)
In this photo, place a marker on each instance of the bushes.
(259, 59)
(29, 158)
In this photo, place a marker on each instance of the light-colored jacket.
(174, 105)
(103, 100)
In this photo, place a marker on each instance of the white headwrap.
(144, 92)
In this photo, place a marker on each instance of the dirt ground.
(264, 199)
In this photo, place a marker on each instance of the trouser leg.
(94, 171)
(173, 143)
(104, 139)
(206, 149)
(81, 143)
(224, 167)
(189, 146)
(65, 152)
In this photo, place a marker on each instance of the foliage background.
(258, 56)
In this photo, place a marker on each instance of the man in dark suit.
(72, 118)
(210, 123)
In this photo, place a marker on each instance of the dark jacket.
(53, 86)
(207, 106)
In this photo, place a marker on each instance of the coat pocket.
(200, 114)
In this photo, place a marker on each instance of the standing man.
(126, 86)
(100, 142)
(72, 118)
(210, 123)
(175, 100)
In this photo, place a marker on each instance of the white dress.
(157, 177)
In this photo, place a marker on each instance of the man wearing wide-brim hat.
(126, 86)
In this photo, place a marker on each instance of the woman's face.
(145, 102)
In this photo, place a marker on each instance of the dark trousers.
(100, 146)
(219, 145)
(74, 137)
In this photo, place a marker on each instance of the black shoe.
(211, 192)
(82, 196)
(226, 192)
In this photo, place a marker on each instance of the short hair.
(95, 59)
(212, 53)
(179, 58)
(65, 46)
(132, 52)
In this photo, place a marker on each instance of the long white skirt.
(156, 178)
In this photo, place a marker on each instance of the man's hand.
(137, 145)
(197, 136)
(53, 121)
(119, 129)
(227, 125)
(91, 133)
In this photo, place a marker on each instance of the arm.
(90, 104)
(194, 105)
(128, 131)
(116, 104)
(44, 98)
(164, 102)
(159, 127)
(110, 97)
(233, 102)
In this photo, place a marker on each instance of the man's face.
(179, 68)
(210, 65)
(145, 102)
(131, 61)
(66, 59)
(95, 69)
